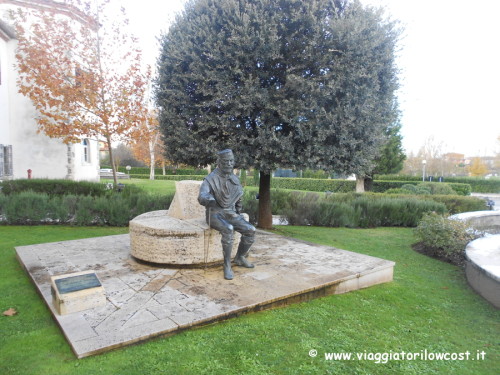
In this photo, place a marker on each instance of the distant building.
(455, 158)
(22, 148)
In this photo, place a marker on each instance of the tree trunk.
(368, 183)
(360, 184)
(163, 167)
(152, 161)
(112, 162)
(265, 220)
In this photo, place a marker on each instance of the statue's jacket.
(226, 190)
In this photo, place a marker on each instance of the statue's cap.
(224, 152)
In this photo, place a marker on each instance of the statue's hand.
(212, 203)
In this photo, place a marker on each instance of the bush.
(280, 200)
(478, 184)
(437, 188)
(445, 238)
(172, 178)
(54, 187)
(115, 209)
(159, 171)
(424, 188)
(454, 203)
(381, 186)
(310, 184)
(26, 207)
(357, 210)
(310, 173)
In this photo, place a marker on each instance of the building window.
(86, 151)
(6, 166)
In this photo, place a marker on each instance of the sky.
(449, 61)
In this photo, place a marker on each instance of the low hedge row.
(346, 186)
(358, 210)
(117, 209)
(478, 184)
(313, 184)
(159, 171)
(382, 186)
(361, 212)
(172, 178)
(54, 187)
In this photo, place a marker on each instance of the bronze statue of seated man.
(221, 194)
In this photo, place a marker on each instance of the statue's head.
(225, 161)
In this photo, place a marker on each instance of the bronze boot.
(240, 258)
(228, 272)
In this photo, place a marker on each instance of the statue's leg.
(226, 230)
(247, 231)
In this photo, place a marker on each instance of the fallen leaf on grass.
(10, 312)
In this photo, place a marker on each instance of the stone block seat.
(178, 236)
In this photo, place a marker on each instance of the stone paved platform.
(144, 301)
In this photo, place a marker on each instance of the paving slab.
(145, 301)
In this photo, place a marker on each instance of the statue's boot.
(228, 272)
(240, 258)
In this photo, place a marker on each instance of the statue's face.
(226, 163)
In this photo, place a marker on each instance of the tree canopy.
(391, 157)
(285, 83)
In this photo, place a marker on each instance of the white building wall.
(46, 157)
(87, 169)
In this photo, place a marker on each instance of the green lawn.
(152, 186)
(428, 306)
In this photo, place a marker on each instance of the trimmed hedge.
(478, 184)
(346, 186)
(54, 187)
(172, 178)
(295, 203)
(313, 184)
(159, 171)
(115, 209)
(382, 186)
(358, 210)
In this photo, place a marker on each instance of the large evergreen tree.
(286, 83)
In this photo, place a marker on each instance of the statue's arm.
(238, 206)
(205, 197)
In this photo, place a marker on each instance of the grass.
(164, 187)
(428, 306)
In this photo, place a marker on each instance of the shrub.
(437, 188)
(173, 178)
(397, 191)
(478, 184)
(310, 173)
(115, 209)
(410, 188)
(27, 207)
(381, 186)
(279, 202)
(456, 204)
(445, 238)
(311, 184)
(159, 171)
(357, 210)
(54, 187)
